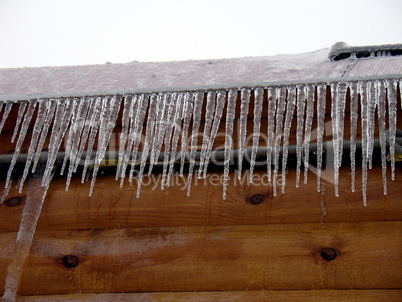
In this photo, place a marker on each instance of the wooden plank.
(113, 207)
(251, 296)
(368, 256)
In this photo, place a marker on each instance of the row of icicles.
(86, 124)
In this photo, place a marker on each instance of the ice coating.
(76, 124)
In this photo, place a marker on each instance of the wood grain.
(213, 258)
(113, 207)
(251, 296)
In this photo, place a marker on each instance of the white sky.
(76, 32)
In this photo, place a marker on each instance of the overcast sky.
(76, 32)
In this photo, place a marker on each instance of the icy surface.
(153, 126)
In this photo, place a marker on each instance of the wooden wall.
(303, 245)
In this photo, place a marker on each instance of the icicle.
(64, 111)
(86, 129)
(43, 134)
(6, 112)
(362, 89)
(353, 128)
(299, 129)
(372, 103)
(392, 117)
(140, 123)
(124, 131)
(198, 100)
(177, 129)
(148, 136)
(135, 105)
(245, 101)
(209, 115)
(32, 209)
(258, 100)
(1, 105)
(271, 127)
(321, 104)
(230, 115)
(92, 135)
(40, 119)
(24, 128)
(220, 103)
(21, 112)
(307, 130)
(168, 136)
(159, 130)
(107, 123)
(380, 96)
(281, 96)
(72, 135)
(290, 107)
(338, 115)
(78, 128)
(188, 111)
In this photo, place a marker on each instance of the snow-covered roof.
(313, 67)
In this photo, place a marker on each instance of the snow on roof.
(313, 67)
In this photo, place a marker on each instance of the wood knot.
(256, 199)
(328, 253)
(70, 261)
(13, 201)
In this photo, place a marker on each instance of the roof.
(312, 67)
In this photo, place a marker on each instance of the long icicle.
(245, 102)
(198, 100)
(188, 111)
(281, 96)
(148, 137)
(107, 122)
(32, 209)
(24, 128)
(307, 130)
(381, 112)
(321, 104)
(176, 134)
(230, 115)
(40, 119)
(21, 112)
(220, 103)
(290, 108)
(354, 106)
(299, 130)
(209, 116)
(258, 100)
(271, 127)
(362, 88)
(392, 117)
(168, 137)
